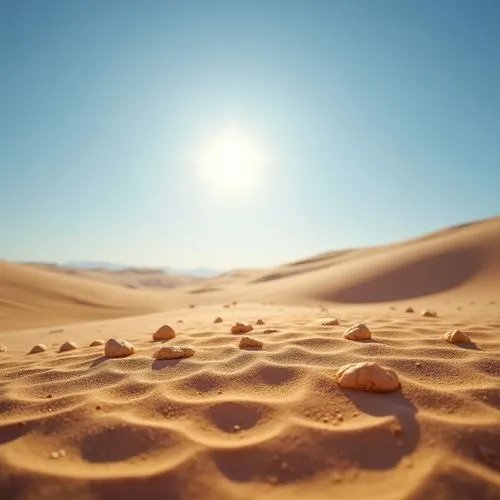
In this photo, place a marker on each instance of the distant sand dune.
(35, 297)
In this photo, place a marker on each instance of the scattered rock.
(192, 306)
(118, 348)
(358, 332)
(98, 407)
(331, 322)
(456, 337)
(427, 313)
(409, 310)
(68, 346)
(173, 352)
(249, 342)
(235, 303)
(49, 396)
(241, 328)
(165, 332)
(38, 348)
(218, 320)
(270, 331)
(226, 306)
(418, 364)
(3, 348)
(260, 322)
(96, 342)
(58, 454)
(180, 321)
(236, 428)
(368, 376)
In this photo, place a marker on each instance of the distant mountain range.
(199, 272)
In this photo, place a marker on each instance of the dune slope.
(36, 297)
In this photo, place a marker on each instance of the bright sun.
(231, 162)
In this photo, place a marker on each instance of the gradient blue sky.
(382, 119)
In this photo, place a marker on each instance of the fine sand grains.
(299, 412)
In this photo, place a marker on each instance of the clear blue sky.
(381, 120)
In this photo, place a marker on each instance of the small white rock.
(331, 322)
(358, 332)
(118, 348)
(38, 348)
(68, 346)
(165, 332)
(427, 313)
(456, 337)
(368, 376)
(241, 328)
(249, 342)
(173, 352)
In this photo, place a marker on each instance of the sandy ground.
(271, 423)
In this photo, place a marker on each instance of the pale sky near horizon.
(243, 133)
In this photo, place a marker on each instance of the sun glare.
(231, 162)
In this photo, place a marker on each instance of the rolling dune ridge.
(270, 423)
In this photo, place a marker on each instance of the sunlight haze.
(242, 134)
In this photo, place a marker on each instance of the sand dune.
(130, 277)
(270, 422)
(35, 297)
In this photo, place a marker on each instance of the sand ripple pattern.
(228, 423)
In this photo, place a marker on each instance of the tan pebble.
(235, 303)
(191, 306)
(368, 376)
(38, 348)
(118, 348)
(226, 306)
(409, 310)
(427, 313)
(358, 332)
(218, 320)
(173, 352)
(96, 342)
(331, 322)
(180, 321)
(270, 331)
(249, 342)
(241, 328)
(3, 348)
(456, 337)
(165, 332)
(58, 454)
(260, 322)
(68, 346)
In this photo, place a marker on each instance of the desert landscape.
(364, 373)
